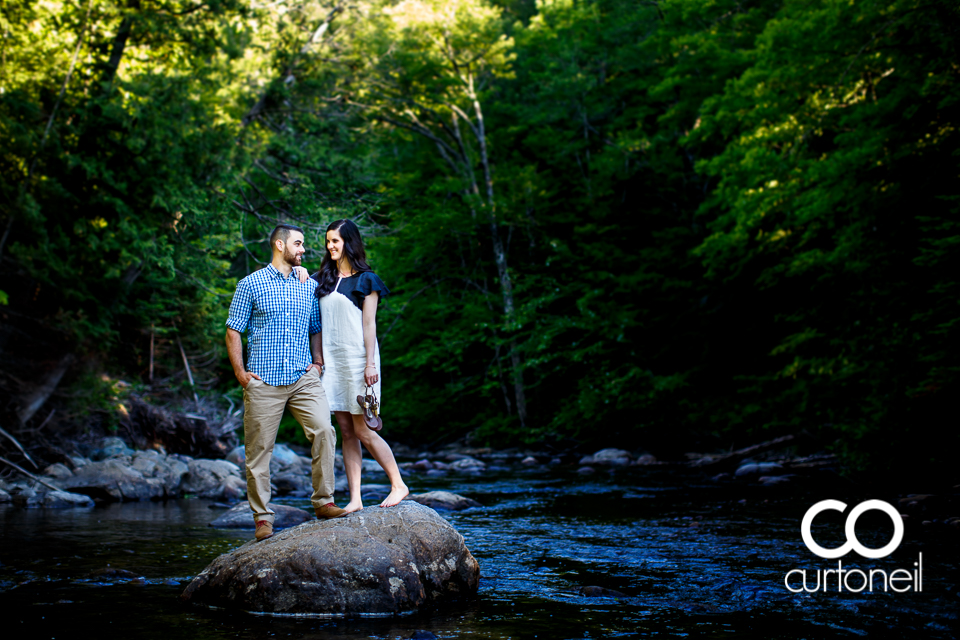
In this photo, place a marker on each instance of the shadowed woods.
(661, 227)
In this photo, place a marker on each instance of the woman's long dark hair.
(352, 247)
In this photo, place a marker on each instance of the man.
(281, 313)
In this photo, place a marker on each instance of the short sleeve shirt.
(278, 314)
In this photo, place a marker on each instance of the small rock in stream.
(758, 468)
(284, 459)
(65, 500)
(58, 471)
(238, 457)
(109, 573)
(468, 464)
(29, 499)
(915, 500)
(771, 480)
(420, 465)
(241, 517)
(601, 592)
(374, 491)
(608, 457)
(444, 500)
(214, 479)
(112, 447)
(292, 483)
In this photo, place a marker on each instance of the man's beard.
(292, 258)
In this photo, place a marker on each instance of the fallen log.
(19, 446)
(733, 458)
(30, 475)
(35, 400)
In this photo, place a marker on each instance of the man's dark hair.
(282, 232)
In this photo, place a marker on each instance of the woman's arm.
(301, 273)
(316, 352)
(370, 372)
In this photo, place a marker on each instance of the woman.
(349, 292)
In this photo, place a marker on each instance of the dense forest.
(667, 225)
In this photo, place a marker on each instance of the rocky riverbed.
(115, 472)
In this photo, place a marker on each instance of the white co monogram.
(852, 543)
(854, 580)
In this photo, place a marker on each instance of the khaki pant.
(263, 408)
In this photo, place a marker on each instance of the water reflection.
(689, 557)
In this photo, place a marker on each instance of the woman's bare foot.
(353, 506)
(397, 494)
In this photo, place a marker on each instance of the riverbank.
(112, 471)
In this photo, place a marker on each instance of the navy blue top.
(360, 285)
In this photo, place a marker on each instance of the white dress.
(344, 354)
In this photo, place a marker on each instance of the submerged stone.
(758, 469)
(601, 592)
(241, 517)
(374, 561)
(444, 500)
(65, 499)
(608, 457)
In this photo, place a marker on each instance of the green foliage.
(95, 398)
(675, 224)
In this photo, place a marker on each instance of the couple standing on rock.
(315, 369)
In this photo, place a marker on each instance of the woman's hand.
(301, 273)
(370, 375)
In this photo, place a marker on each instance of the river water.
(692, 557)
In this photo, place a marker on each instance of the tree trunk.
(119, 45)
(318, 34)
(500, 258)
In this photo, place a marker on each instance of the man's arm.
(237, 320)
(235, 351)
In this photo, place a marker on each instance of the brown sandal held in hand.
(371, 409)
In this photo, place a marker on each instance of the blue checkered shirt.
(280, 314)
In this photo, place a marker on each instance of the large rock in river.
(214, 479)
(115, 479)
(374, 561)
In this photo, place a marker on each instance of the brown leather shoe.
(264, 529)
(328, 511)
